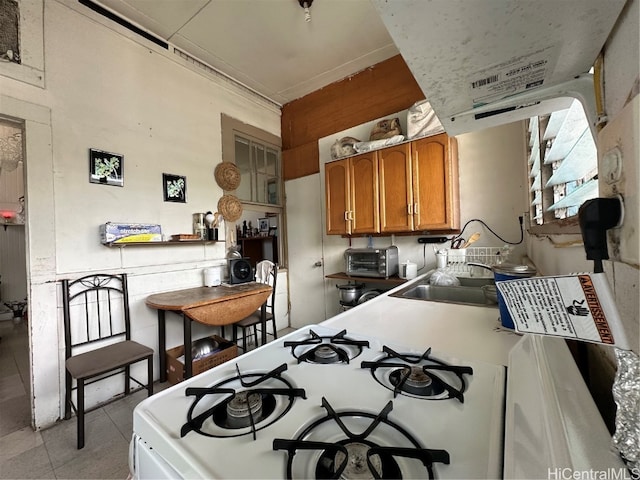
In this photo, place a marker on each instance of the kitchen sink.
(469, 292)
(477, 282)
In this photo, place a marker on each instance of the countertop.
(468, 332)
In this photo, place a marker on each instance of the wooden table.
(218, 306)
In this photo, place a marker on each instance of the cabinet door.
(336, 180)
(435, 180)
(396, 200)
(363, 173)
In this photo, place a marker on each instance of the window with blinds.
(563, 164)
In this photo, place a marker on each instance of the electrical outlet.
(619, 174)
(610, 169)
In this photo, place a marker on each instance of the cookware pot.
(350, 293)
(509, 271)
(368, 296)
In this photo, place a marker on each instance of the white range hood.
(490, 62)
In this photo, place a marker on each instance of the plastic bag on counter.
(443, 277)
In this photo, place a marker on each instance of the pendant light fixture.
(306, 5)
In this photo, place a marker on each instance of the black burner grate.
(403, 368)
(358, 454)
(336, 348)
(265, 396)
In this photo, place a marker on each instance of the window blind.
(563, 162)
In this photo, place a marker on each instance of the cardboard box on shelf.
(175, 364)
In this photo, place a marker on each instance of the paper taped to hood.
(579, 306)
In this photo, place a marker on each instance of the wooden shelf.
(164, 244)
(394, 280)
(259, 248)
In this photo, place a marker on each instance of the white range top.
(212, 446)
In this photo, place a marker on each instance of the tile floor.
(52, 453)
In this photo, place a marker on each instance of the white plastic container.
(213, 276)
(408, 270)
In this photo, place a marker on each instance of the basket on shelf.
(227, 175)
(230, 207)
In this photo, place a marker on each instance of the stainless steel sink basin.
(469, 292)
(477, 282)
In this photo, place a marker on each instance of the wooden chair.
(98, 343)
(270, 276)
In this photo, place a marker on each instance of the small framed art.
(106, 168)
(264, 225)
(174, 188)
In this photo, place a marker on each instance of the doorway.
(14, 333)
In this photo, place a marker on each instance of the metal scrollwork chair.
(266, 272)
(98, 345)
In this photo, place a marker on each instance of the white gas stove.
(324, 403)
(323, 398)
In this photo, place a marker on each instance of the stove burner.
(419, 376)
(329, 448)
(228, 410)
(359, 464)
(336, 348)
(416, 381)
(242, 408)
(325, 354)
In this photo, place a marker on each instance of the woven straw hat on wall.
(230, 207)
(227, 175)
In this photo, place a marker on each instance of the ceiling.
(266, 44)
(480, 64)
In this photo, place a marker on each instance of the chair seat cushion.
(252, 320)
(105, 359)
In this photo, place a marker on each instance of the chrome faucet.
(477, 264)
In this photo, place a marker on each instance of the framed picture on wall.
(106, 168)
(174, 188)
(264, 225)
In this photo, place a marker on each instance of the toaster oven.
(371, 262)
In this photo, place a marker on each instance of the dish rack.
(458, 259)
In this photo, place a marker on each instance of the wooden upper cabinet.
(435, 183)
(337, 197)
(364, 197)
(396, 214)
(352, 195)
(410, 187)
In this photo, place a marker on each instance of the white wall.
(111, 90)
(492, 174)
(622, 106)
